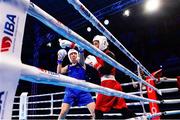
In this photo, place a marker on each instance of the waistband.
(108, 77)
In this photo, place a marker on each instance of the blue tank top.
(77, 71)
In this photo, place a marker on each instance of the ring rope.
(62, 80)
(41, 77)
(149, 115)
(60, 28)
(164, 113)
(172, 101)
(162, 79)
(133, 103)
(57, 93)
(102, 90)
(140, 90)
(167, 90)
(95, 22)
(42, 108)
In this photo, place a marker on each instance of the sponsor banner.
(154, 107)
(12, 22)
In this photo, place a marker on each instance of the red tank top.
(113, 70)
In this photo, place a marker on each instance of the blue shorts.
(77, 98)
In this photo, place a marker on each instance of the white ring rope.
(162, 79)
(165, 79)
(140, 89)
(95, 22)
(82, 115)
(57, 93)
(50, 109)
(128, 104)
(38, 76)
(34, 74)
(173, 112)
(163, 91)
(172, 101)
(167, 90)
(148, 115)
(57, 26)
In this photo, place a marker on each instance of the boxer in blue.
(76, 70)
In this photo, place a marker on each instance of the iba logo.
(9, 28)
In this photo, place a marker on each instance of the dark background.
(153, 38)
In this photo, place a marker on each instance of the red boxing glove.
(91, 60)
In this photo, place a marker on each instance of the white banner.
(12, 22)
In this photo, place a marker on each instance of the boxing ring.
(33, 74)
(50, 103)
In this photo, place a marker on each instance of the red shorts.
(105, 103)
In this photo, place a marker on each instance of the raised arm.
(81, 55)
(61, 55)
